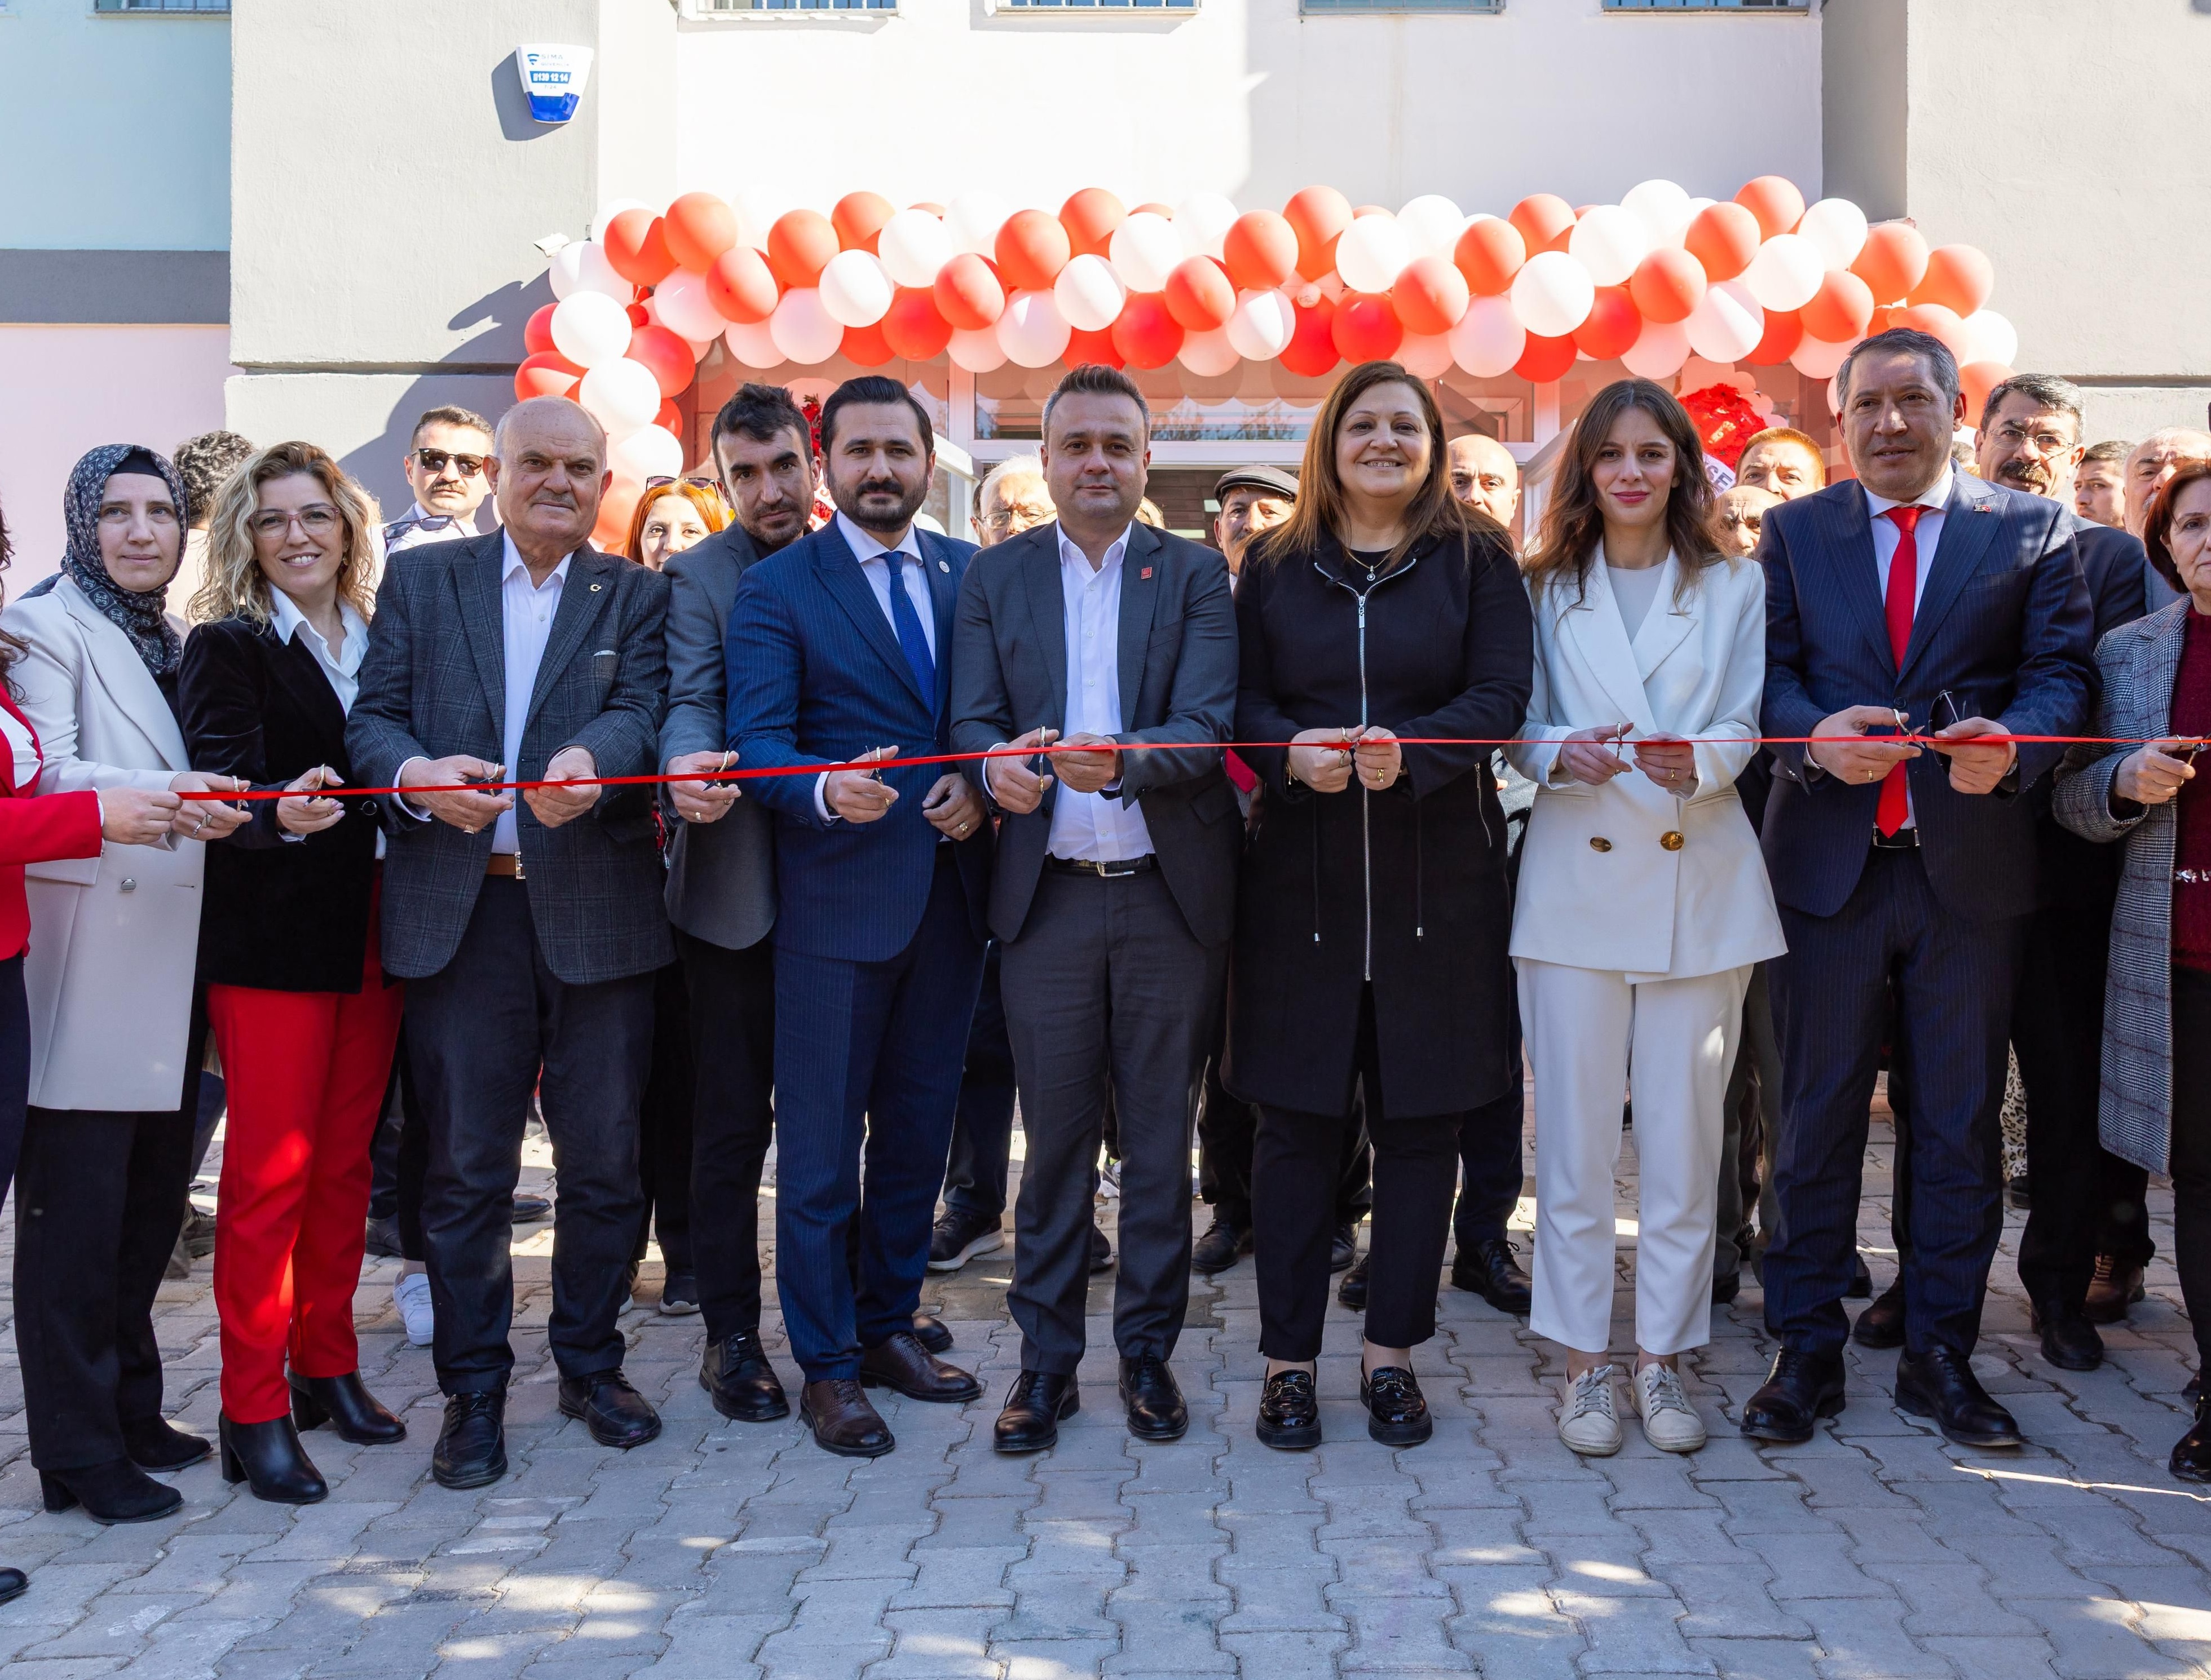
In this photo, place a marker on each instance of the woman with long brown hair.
(1643, 901)
(1371, 924)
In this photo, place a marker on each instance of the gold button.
(1599, 843)
(1671, 839)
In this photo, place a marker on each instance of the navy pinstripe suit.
(2003, 627)
(879, 936)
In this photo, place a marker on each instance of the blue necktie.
(911, 642)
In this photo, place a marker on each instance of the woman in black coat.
(1372, 921)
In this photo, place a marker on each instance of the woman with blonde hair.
(302, 1013)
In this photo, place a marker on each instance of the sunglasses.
(433, 461)
(696, 483)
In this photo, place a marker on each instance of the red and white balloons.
(591, 328)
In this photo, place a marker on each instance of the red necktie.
(1903, 590)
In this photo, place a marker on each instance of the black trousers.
(665, 1140)
(99, 1196)
(732, 1022)
(400, 1157)
(2057, 1033)
(1491, 1172)
(1226, 1127)
(15, 1067)
(1293, 1157)
(982, 1128)
(2189, 1163)
(478, 1032)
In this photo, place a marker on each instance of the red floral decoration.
(1725, 422)
(824, 510)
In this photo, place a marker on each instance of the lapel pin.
(595, 588)
(1146, 572)
(944, 566)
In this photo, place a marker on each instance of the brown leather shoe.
(843, 1421)
(901, 1362)
(2117, 1286)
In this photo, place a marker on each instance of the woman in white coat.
(114, 1058)
(1644, 901)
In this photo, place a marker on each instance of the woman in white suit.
(1644, 901)
(114, 1058)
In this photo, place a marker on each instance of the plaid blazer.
(433, 684)
(2138, 663)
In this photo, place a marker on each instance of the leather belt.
(1108, 870)
(1904, 840)
(508, 864)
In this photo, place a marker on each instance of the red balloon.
(1260, 250)
(1316, 215)
(1939, 319)
(741, 285)
(636, 245)
(1612, 327)
(1090, 217)
(968, 292)
(1545, 359)
(1033, 247)
(1544, 221)
(1667, 285)
(1840, 310)
(1146, 334)
(1774, 200)
(799, 246)
(699, 228)
(1312, 349)
(913, 327)
(1722, 238)
(1199, 294)
(1489, 253)
(1893, 260)
(1084, 346)
(639, 316)
(1977, 379)
(538, 331)
(666, 354)
(867, 346)
(1785, 331)
(1429, 296)
(1957, 277)
(616, 509)
(858, 219)
(1366, 329)
(547, 373)
(670, 420)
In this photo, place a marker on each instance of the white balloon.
(1371, 253)
(914, 244)
(1033, 332)
(650, 451)
(1726, 326)
(1431, 225)
(1489, 338)
(1990, 338)
(1089, 293)
(1552, 294)
(583, 267)
(1202, 222)
(856, 288)
(1609, 241)
(684, 307)
(973, 219)
(590, 328)
(752, 343)
(802, 329)
(1145, 249)
(621, 395)
(1815, 359)
(610, 209)
(1663, 209)
(1425, 355)
(1786, 273)
(1207, 355)
(977, 349)
(1837, 228)
(1658, 351)
(1262, 327)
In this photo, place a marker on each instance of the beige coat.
(114, 938)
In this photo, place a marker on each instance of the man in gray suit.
(1114, 891)
(528, 932)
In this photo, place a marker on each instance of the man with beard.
(838, 657)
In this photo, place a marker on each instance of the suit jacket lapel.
(838, 568)
(1047, 599)
(1970, 523)
(1595, 625)
(1849, 532)
(2164, 668)
(119, 670)
(1668, 623)
(589, 587)
(1139, 600)
(944, 603)
(301, 674)
(476, 574)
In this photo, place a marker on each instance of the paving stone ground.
(730, 1551)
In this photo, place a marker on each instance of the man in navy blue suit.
(1920, 596)
(839, 655)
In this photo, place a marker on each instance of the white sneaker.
(1670, 1422)
(1588, 1423)
(411, 1296)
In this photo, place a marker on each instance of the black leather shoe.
(1492, 1271)
(1029, 1421)
(843, 1420)
(1352, 1291)
(1153, 1399)
(1396, 1412)
(268, 1458)
(1344, 1249)
(157, 1444)
(1939, 1384)
(2192, 1453)
(1224, 1243)
(1861, 1280)
(615, 1413)
(2069, 1341)
(931, 1333)
(1881, 1324)
(1726, 1287)
(529, 1207)
(382, 1238)
(471, 1449)
(13, 1584)
(1289, 1412)
(903, 1364)
(117, 1491)
(742, 1384)
(1101, 1247)
(347, 1406)
(1801, 1389)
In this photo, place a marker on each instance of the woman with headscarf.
(115, 1038)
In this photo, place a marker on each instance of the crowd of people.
(843, 835)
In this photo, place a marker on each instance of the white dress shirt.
(876, 569)
(341, 669)
(1925, 534)
(525, 612)
(1099, 827)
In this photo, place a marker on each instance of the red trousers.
(305, 1073)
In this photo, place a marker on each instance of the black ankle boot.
(115, 1492)
(268, 1458)
(154, 1443)
(347, 1406)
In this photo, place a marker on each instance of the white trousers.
(1591, 1033)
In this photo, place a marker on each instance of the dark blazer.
(434, 683)
(1407, 884)
(816, 677)
(288, 916)
(721, 875)
(1177, 679)
(2003, 624)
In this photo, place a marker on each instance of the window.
(1097, 5)
(726, 8)
(1323, 8)
(1708, 5)
(160, 5)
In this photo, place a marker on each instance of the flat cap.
(1275, 481)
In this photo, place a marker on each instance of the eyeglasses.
(317, 519)
(433, 461)
(2043, 443)
(701, 483)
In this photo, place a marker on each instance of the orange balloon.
(1893, 260)
(547, 373)
(638, 317)
(1840, 310)
(699, 228)
(616, 509)
(1612, 326)
(1199, 296)
(670, 419)
(1090, 217)
(1489, 253)
(968, 292)
(1316, 215)
(1774, 200)
(1260, 250)
(1545, 221)
(1667, 285)
(1977, 379)
(1957, 277)
(636, 245)
(1312, 349)
(1366, 328)
(665, 355)
(1785, 331)
(1033, 247)
(1430, 295)
(913, 327)
(1722, 238)
(1146, 334)
(538, 331)
(800, 245)
(1546, 359)
(867, 346)
(1938, 319)
(741, 285)
(858, 218)
(1088, 348)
